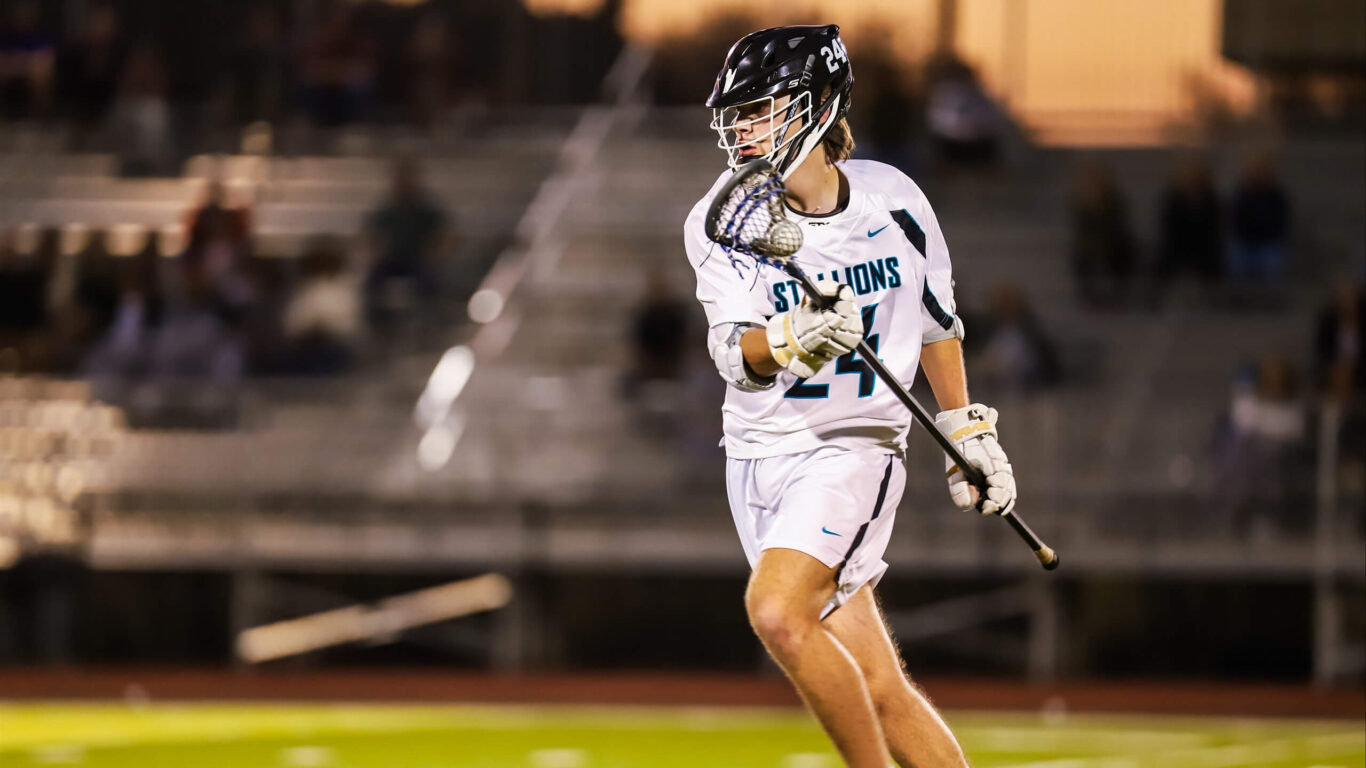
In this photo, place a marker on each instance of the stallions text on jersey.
(886, 245)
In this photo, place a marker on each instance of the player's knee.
(778, 625)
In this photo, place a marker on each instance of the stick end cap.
(1048, 559)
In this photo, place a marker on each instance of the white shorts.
(832, 503)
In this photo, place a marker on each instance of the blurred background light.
(438, 443)
(447, 381)
(485, 305)
(1146, 64)
(564, 7)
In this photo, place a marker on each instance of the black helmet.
(799, 62)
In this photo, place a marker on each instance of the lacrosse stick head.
(747, 216)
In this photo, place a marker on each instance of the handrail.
(535, 250)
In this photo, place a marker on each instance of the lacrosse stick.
(747, 217)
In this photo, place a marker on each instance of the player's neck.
(815, 187)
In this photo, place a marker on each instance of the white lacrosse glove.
(973, 431)
(804, 339)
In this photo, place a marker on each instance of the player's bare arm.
(942, 362)
(758, 355)
(971, 426)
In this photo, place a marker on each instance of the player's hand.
(973, 430)
(805, 338)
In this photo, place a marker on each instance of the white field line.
(975, 720)
(1338, 742)
(558, 758)
(308, 757)
(1227, 756)
(58, 754)
(1081, 739)
(809, 760)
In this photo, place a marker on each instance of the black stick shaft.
(1047, 557)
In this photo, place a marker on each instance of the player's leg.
(915, 733)
(786, 593)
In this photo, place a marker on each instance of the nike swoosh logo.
(873, 232)
(832, 533)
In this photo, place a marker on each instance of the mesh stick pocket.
(747, 215)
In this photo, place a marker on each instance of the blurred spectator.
(23, 288)
(1102, 244)
(1260, 225)
(89, 67)
(1338, 344)
(963, 120)
(257, 66)
(1338, 369)
(196, 363)
(27, 62)
(338, 70)
(430, 65)
(659, 333)
(893, 115)
(322, 322)
(406, 232)
(218, 247)
(174, 362)
(24, 279)
(141, 119)
(1258, 453)
(660, 359)
(1016, 356)
(1190, 236)
(121, 358)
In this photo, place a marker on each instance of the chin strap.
(811, 141)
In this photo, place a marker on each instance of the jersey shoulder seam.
(898, 189)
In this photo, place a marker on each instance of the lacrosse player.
(814, 441)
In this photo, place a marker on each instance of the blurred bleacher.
(1117, 454)
(332, 437)
(553, 469)
(1120, 452)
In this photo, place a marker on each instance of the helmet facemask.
(794, 135)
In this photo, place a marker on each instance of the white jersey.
(887, 246)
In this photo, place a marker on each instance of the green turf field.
(367, 736)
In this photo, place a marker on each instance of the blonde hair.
(838, 143)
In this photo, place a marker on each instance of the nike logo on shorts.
(832, 533)
(873, 232)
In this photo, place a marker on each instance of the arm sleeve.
(939, 311)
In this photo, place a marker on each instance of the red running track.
(1175, 697)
